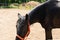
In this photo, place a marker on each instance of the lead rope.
(26, 33)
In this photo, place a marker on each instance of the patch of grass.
(28, 7)
(14, 5)
(8, 7)
(23, 6)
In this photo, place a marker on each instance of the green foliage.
(7, 3)
(19, 1)
(27, 7)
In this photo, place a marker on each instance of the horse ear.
(26, 16)
(19, 16)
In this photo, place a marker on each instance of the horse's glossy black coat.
(22, 26)
(48, 15)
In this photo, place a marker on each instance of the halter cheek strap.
(26, 33)
(20, 37)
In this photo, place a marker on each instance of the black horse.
(47, 14)
(22, 27)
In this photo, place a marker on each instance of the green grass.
(25, 7)
(19, 7)
(2, 7)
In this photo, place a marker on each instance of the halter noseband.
(26, 33)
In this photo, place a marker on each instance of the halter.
(26, 33)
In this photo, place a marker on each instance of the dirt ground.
(8, 18)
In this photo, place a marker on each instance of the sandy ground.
(8, 18)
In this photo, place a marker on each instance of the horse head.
(22, 26)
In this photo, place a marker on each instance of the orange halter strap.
(26, 33)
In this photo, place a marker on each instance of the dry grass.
(8, 18)
(28, 5)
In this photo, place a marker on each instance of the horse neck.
(31, 21)
(35, 15)
(33, 18)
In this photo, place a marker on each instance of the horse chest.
(56, 21)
